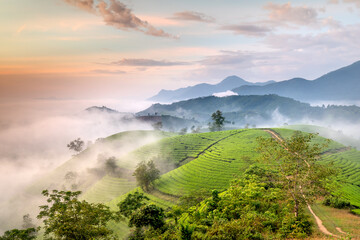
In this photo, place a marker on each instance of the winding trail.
(320, 224)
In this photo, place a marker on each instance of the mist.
(34, 137)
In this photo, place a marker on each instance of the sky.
(96, 49)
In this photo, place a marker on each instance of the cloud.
(193, 16)
(142, 62)
(302, 15)
(357, 2)
(20, 29)
(104, 71)
(116, 14)
(225, 94)
(283, 15)
(227, 58)
(87, 5)
(247, 29)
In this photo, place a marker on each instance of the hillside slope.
(208, 161)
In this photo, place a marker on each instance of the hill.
(209, 161)
(201, 90)
(95, 109)
(189, 164)
(256, 110)
(341, 84)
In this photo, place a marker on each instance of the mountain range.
(255, 109)
(202, 90)
(341, 84)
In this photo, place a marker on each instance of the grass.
(333, 218)
(107, 189)
(348, 166)
(202, 161)
(215, 167)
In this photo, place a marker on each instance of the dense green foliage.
(69, 218)
(146, 174)
(131, 203)
(336, 202)
(17, 234)
(252, 208)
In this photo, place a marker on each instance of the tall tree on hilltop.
(296, 161)
(218, 121)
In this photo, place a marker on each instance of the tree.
(146, 174)
(131, 203)
(218, 121)
(183, 131)
(111, 168)
(141, 215)
(71, 180)
(157, 126)
(69, 218)
(16, 234)
(76, 145)
(148, 215)
(27, 222)
(295, 161)
(195, 130)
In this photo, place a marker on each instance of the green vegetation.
(197, 164)
(218, 121)
(348, 177)
(16, 234)
(252, 208)
(76, 145)
(215, 167)
(295, 161)
(146, 174)
(68, 218)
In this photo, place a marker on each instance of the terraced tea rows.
(286, 133)
(349, 176)
(215, 167)
(108, 188)
(179, 149)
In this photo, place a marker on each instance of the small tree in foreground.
(16, 234)
(146, 174)
(295, 161)
(76, 145)
(218, 121)
(68, 218)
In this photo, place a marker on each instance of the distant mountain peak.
(341, 84)
(100, 109)
(201, 90)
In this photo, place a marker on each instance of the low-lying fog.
(34, 137)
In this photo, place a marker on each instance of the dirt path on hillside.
(322, 228)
